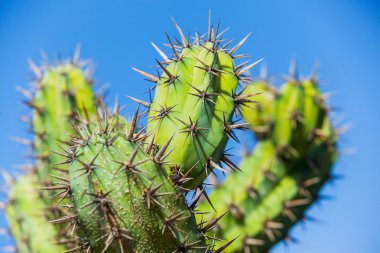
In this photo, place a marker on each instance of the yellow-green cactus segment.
(192, 106)
(259, 113)
(243, 192)
(26, 214)
(287, 113)
(63, 96)
(263, 211)
(124, 202)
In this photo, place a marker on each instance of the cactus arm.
(124, 202)
(63, 95)
(194, 99)
(282, 177)
(26, 216)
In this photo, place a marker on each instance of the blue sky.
(344, 35)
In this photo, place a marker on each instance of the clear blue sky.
(343, 34)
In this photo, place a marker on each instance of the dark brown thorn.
(88, 167)
(173, 48)
(163, 112)
(147, 75)
(210, 69)
(192, 128)
(229, 163)
(196, 200)
(150, 195)
(207, 198)
(171, 78)
(221, 249)
(235, 48)
(230, 126)
(129, 165)
(213, 39)
(139, 136)
(203, 94)
(109, 142)
(170, 223)
(212, 224)
(39, 109)
(159, 157)
(150, 145)
(133, 125)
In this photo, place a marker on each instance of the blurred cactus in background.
(282, 177)
(102, 183)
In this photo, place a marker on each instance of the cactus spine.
(292, 160)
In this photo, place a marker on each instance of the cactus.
(120, 188)
(63, 96)
(26, 212)
(122, 200)
(193, 106)
(282, 177)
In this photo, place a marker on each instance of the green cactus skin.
(281, 178)
(193, 107)
(123, 201)
(259, 114)
(26, 213)
(63, 95)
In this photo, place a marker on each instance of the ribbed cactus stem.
(193, 107)
(63, 96)
(27, 217)
(123, 200)
(282, 177)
